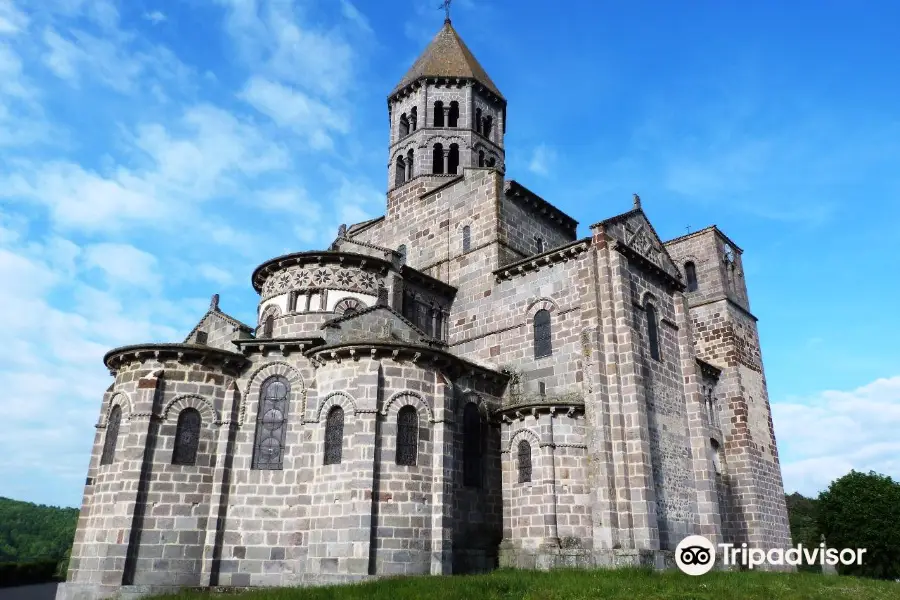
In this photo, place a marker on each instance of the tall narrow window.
(491, 162)
(402, 251)
(407, 436)
(453, 159)
(112, 435)
(481, 158)
(409, 306)
(488, 127)
(334, 436)
(716, 456)
(477, 120)
(453, 114)
(467, 239)
(413, 118)
(652, 332)
(439, 324)
(399, 171)
(404, 125)
(542, 389)
(524, 461)
(187, 437)
(471, 446)
(438, 114)
(437, 160)
(271, 424)
(690, 271)
(409, 165)
(539, 244)
(543, 345)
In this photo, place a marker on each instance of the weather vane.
(446, 6)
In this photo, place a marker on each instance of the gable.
(220, 330)
(634, 230)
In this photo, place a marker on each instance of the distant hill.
(34, 532)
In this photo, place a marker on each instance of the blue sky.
(153, 152)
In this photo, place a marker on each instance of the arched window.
(437, 160)
(467, 238)
(491, 162)
(488, 126)
(716, 456)
(481, 158)
(524, 461)
(453, 159)
(112, 435)
(402, 251)
(347, 307)
(690, 272)
(471, 446)
(409, 165)
(539, 244)
(271, 424)
(652, 331)
(334, 436)
(404, 125)
(477, 120)
(413, 118)
(407, 436)
(438, 114)
(268, 327)
(543, 345)
(187, 437)
(453, 114)
(399, 171)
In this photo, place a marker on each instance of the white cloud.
(12, 20)
(292, 108)
(823, 437)
(542, 160)
(124, 264)
(156, 17)
(216, 275)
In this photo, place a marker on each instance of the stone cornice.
(568, 406)
(427, 281)
(519, 192)
(648, 265)
(283, 346)
(229, 361)
(702, 231)
(320, 257)
(425, 356)
(545, 259)
(403, 91)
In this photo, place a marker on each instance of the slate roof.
(447, 56)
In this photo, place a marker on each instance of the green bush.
(862, 510)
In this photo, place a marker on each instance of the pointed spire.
(447, 56)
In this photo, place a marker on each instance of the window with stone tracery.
(524, 461)
(407, 436)
(334, 436)
(187, 437)
(112, 435)
(271, 424)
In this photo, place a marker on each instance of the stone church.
(459, 384)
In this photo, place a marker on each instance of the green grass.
(620, 584)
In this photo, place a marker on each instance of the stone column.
(442, 482)
(708, 518)
(635, 425)
(218, 506)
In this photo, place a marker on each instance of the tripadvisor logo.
(696, 555)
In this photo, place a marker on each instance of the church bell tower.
(445, 114)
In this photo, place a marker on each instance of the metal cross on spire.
(446, 6)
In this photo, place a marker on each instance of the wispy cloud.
(156, 17)
(824, 436)
(542, 160)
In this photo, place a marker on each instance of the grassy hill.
(626, 584)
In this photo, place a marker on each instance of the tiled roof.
(447, 56)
